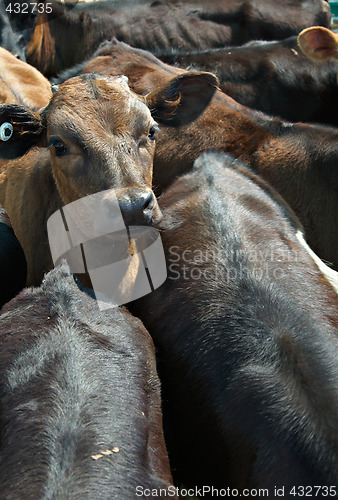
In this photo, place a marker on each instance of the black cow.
(13, 267)
(79, 397)
(246, 331)
(159, 24)
(273, 77)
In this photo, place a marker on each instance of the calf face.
(100, 137)
(115, 149)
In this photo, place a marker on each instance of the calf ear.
(183, 99)
(20, 129)
(318, 43)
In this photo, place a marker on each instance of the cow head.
(102, 136)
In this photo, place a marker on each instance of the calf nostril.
(137, 206)
(149, 202)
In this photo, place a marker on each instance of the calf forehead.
(97, 104)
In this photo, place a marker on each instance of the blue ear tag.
(6, 131)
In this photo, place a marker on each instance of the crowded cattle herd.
(297, 159)
(213, 125)
(94, 135)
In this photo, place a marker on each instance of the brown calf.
(319, 43)
(94, 135)
(298, 160)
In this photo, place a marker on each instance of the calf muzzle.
(138, 207)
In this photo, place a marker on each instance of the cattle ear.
(318, 43)
(183, 99)
(20, 129)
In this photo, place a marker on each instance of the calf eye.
(59, 147)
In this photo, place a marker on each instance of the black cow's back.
(246, 331)
(79, 396)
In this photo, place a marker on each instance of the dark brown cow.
(246, 332)
(159, 24)
(80, 399)
(21, 83)
(299, 160)
(273, 77)
(94, 135)
(319, 43)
